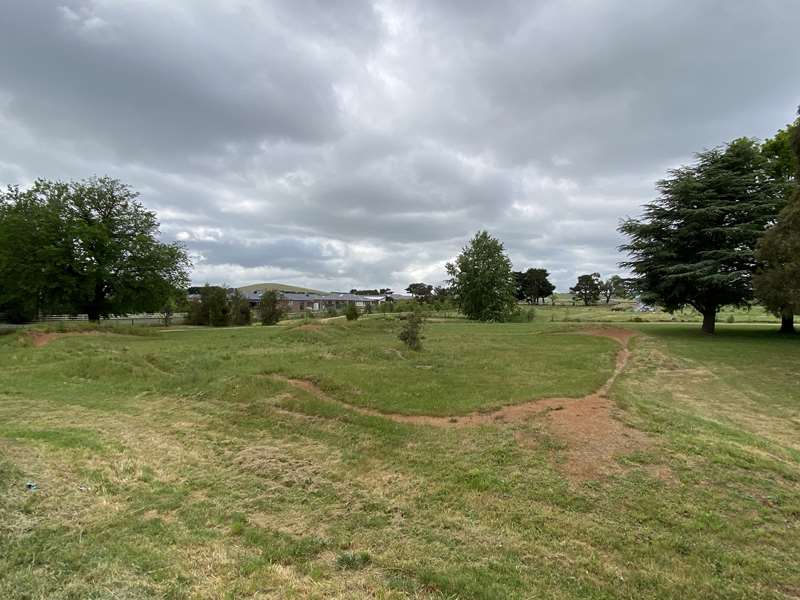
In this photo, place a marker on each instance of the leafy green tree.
(695, 243)
(533, 285)
(269, 308)
(34, 258)
(587, 289)
(777, 282)
(422, 292)
(240, 309)
(351, 311)
(98, 250)
(482, 280)
(783, 164)
(613, 287)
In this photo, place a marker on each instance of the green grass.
(178, 466)
(624, 312)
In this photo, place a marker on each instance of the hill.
(282, 287)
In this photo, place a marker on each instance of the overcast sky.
(338, 143)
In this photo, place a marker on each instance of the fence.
(153, 319)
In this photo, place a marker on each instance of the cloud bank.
(342, 144)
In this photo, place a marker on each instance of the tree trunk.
(94, 309)
(709, 320)
(787, 321)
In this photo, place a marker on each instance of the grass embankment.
(178, 466)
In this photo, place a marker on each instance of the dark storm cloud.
(348, 144)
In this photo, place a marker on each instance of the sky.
(340, 143)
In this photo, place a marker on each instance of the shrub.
(411, 332)
(269, 308)
(213, 307)
(240, 309)
(331, 312)
(351, 312)
(523, 316)
(730, 319)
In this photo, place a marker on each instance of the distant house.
(300, 301)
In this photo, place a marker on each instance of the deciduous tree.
(587, 289)
(422, 292)
(96, 250)
(482, 280)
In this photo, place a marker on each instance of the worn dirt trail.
(505, 414)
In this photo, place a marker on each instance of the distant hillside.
(282, 287)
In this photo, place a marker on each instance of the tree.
(613, 287)
(422, 292)
(533, 285)
(97, 251)
(695, 243)
(587, 289)
(351, 312)
(482, 280)
(777, 282)
(269, 308)
(411, 332)
(240, 309)
(783, 164)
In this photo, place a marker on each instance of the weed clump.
(352, 561)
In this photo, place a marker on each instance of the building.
(293, 302)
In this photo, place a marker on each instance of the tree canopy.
(695, 244)
(777, 282)
(84, 247)
(587, 289)
(421, 291)
(482, 280)
(533, 285)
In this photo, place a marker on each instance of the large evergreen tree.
(482, 280)
(695, 243)
(84, 247)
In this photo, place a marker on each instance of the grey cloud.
(347, 144)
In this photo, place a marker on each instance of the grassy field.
(624, 312)
(184, 465)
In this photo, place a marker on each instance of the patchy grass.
(175, 466)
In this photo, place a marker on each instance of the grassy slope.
(171, 467)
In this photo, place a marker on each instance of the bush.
(730, 319)
(411, 332)
(240, 309)
(213, 308)
(351, 312)
(523, 316)
(270, 308)
(331, 312)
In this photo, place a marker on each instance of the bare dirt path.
(592, 436)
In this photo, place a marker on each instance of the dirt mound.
(39, 339)
(308, 327)
(594, 438)
(511, 413)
